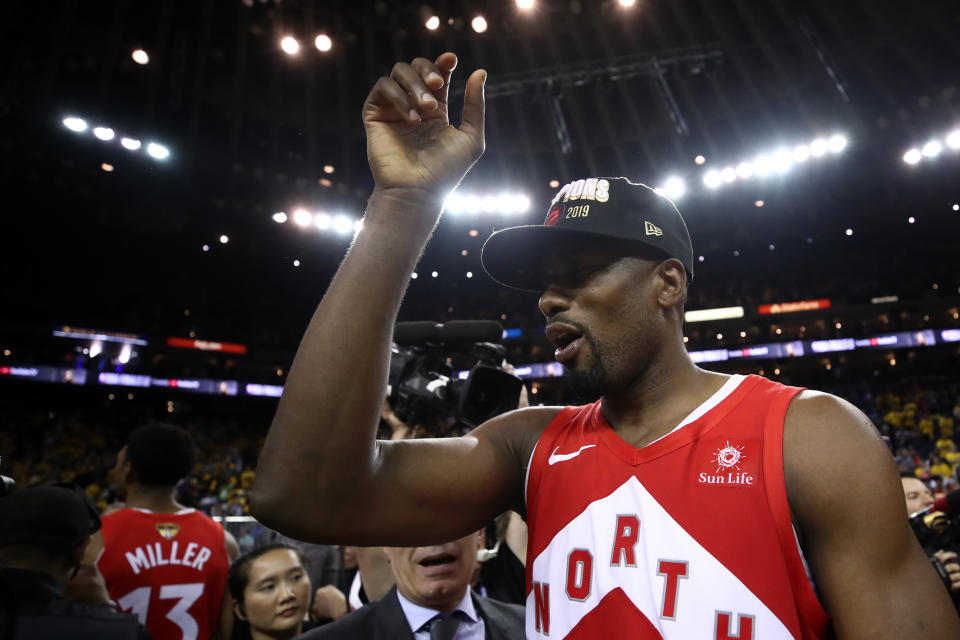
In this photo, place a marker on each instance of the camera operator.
(938, 535)
(43, 534)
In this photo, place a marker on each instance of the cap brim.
(518, 257)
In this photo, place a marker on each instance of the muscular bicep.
(844, 491)
(439, 489)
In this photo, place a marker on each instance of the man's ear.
(239, 611)
(672, 283)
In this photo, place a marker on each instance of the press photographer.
(937, 527)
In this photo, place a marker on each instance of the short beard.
(589, 384)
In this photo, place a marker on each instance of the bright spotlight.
(323, 42)
(744, 170)
(470, 273)
(357, 226)
(627, 3)
(224, 239)
(712, 179)
(296, 263)
(782, 160)
(488, 204)
(836, 143)
(521, 203)
(932, 149)
(302, 218)
(525, 4)
(158, 151)
(434, 274)
(801, 153)
(96, 348)
(432, 23)
(140, 56)
(103, 133)
(342, 224)
(762, 165)
(849, 232)
(125, 353)
(699, 159)
(280, 217)
(553, 184)
(479, 24)
(912, 156)
(290, 45)
(130, 143)
(818, 147)
(75, 124)
(454, 203)
(106, 166)
(674, 188)
(322, 221)
(471, 204)
(728, 175)
(953, 139)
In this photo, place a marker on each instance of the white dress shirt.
(471, 624)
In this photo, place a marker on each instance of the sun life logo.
(728, 457)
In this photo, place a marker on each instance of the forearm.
(327, 417)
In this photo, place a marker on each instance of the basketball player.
(681, 504)
(161, 561)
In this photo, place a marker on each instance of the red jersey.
(688, 537)
(170, 570)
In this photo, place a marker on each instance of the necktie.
(445, 628)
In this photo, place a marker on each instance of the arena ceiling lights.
(106, 134)
(339, 223)
(474, 204)
(933, 148)
(775, 162)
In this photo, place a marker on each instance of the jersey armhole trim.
(812, 615)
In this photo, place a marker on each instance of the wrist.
(406, 203)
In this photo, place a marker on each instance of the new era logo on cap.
(651, 229)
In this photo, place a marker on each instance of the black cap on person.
(588, 211)
(47, 516)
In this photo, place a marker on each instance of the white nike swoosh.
(555, 457)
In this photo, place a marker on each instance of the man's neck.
(156, 499)
(668, 391)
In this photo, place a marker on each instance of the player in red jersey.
(161, 561)
(802, 477)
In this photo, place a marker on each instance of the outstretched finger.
(445, 64)
(473, 105)
(387, 93)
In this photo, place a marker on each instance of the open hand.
(410, 141)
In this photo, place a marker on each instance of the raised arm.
(321, 475)
(873, 578)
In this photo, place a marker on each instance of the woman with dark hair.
(271, 593)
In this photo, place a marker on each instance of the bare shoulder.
(830, 449)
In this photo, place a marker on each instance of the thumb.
(473, 105)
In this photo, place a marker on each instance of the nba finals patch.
(168, 530)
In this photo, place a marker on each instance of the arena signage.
(207, 345)
(791, 307)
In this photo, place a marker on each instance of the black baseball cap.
(588, 211)
(47, 515)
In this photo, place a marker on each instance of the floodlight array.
(103, 133)
(933, 147)
(775, 162)
(339, 223)
(475, 204)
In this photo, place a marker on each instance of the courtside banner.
(791, 307)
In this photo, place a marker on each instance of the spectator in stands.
(270, 588)
(43, 534)
(432, 599)
(162, 561)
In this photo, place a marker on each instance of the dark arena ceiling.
(576, 88)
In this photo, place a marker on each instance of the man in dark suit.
(431, 601)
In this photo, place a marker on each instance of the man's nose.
(554, 300)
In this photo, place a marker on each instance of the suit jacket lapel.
(390, 621)
(494, 625)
